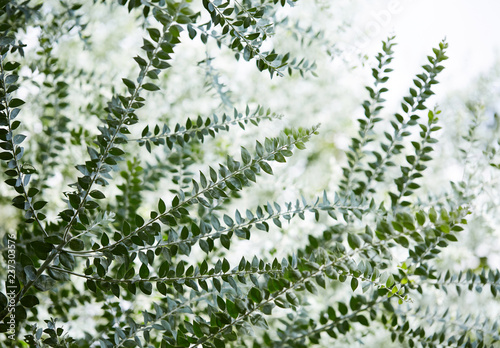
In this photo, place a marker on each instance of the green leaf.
(432, 215)
(164, 267)
(128, 83)
(390, 281)
(255, 295)
(259, 149)
(225, 266)
(292, 298)
(140, 61)
(231, 309)
(154, 34)
(33, 191)
(15, 102)
(204, 246)
(146, 287)
(362, 320)
(353, 240)
(354, 284)
(245, 156)
(6, 156)
(266, 167)
(420, 218)
(39, 205)
(343, 308)
(144, 271)
(104, 239)
(97, 194)
(150, 87)
(175, 201)
(161, 206)
(67, 260)
(139, 221)
(29, 301)
(76, 244)
(225, 241)
(9, 66)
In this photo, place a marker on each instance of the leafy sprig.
(372, 109)
(406, 182)
(200, 128)
(19, 173)
(411, 104)
(230, 177)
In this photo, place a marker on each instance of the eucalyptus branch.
(472, 278)
(199, 128)
(335, 321)
(212, 77)
(218, 233)
(169, 280)
(248, 223)
(405, 183)
(412, 103)
(124, 118)
(227, 180)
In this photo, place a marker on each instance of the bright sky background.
(471, 28)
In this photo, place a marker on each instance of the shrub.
(160, 276)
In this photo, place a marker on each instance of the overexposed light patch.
(55, 180)
(469, 28)
(455, 173)
(30, 38)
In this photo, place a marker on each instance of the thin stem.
(166, 279)
(195, 130)
(338, 320)
(165, 315)
(216, 233)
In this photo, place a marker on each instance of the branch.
(15, 152)
(123, 116)
(124, 119)
(199, 128)
(372, 108)
(260, 221)
(277, 149)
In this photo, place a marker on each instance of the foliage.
(161, 275)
